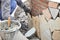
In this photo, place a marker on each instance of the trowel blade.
(30, 32)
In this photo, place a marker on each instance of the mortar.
(7, 33)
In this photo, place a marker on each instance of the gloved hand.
(27, 10)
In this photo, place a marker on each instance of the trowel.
(30, 32)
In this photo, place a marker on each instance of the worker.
(13, 4)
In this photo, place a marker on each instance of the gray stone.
(19, 36)
(54, 12)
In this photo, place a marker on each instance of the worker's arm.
(21, 4)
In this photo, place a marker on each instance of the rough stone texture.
(19, 36)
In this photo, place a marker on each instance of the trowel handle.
(9, 21)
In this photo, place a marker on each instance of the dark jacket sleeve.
(21, 4)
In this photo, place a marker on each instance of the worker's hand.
(27, 10)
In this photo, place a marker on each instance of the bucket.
(7, 33)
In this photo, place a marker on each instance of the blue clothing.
(13, 6)
(0, 14)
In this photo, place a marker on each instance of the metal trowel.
(30, 32)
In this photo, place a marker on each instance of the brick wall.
(38, 6)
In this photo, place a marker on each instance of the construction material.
(36, 24)
(38, 6)
(54, 12)
(7, 33)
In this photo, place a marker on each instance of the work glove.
(27, 10)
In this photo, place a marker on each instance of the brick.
(40, 3)
(38, 6)
(53, 4)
